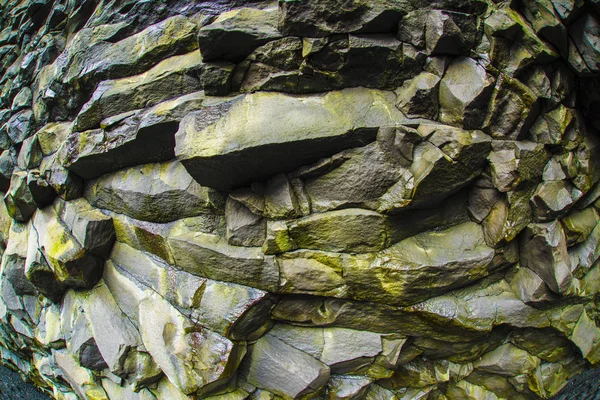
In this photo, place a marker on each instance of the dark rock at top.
(242, 147)
(235, 34)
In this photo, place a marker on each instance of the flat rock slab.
(266, 133)
(153, 192)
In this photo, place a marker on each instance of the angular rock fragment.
(223, 155)
(235, 34)
(445, 162)
(81, 379)
(342, 387)
(192, 358)
(284, 370)
(30, 155)
(235, 311)
(27, 192)
(211, 257)
(131, 55)
(132, 138)
(550, 127)
(20, 126)
(586, 336)
(354, 177)
(514, 163)
(513, 109)
(507, 360)
(464, 93)
(170, 78)
(244, 228)
(321, 19)
(584, 35)
(351, 230)
(8, 161)
(153, 192)
(544, 250)
(92, 229)
(311, 272)
(60, 256)
(552, 199)
(116, 337)
(529, 287)
(439, 31)
(418, 97)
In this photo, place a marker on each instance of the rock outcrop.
(299, 199)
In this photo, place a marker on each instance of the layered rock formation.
(304, 199)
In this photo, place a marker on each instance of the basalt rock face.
(300, 200)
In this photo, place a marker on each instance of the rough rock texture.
(307, 199)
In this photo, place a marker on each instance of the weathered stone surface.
(234, 34)
(211, 257)
(8, 160)
(222, 155)
(351, 230)
(131, 55)
(514, 163)
(392, 199)
(584, 34)
(529, 287)
(137, 137)
(244, 228)
(18, 199)
(507, 360)
(78, 377)
(116, 337)
(232, 310)
(440, 32)
(544, 250)
(361, 174)
(292, 374)
(20, 126)
(92, 229)
(71, 263)
(170, 78)
(464, 93)
(513, 109)
(192, 358)
(586, 336)
(418, 97)
(426, 264)
(445, 162)
(153, 192)
(318, 20)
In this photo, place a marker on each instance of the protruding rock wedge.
(424, 265)
(284, 370)
(192, 358)
(418, 97)
(235, 34)
(544, 250)
(68, 247)
(211, 257)
(507, 360)
(115, 335)
(464, 91)
(132, 138)
(439, 32)
(225, 155)
(445, 160)
(244, 228)
(170, 78)
(153, 192)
